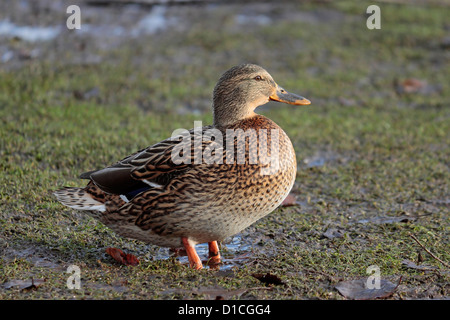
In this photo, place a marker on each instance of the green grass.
(385, 154)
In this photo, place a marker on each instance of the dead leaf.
(127, 259)
(412, 85)
(289, 201)
(412, 265)
(116, 254)
(131, 260)
(268, 278)
(357, 289)
(29, 284)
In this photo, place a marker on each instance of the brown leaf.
(131, 260)
(357, 289)
(289, 201)
(411, 85)
(412, 265)
(126, 259)
(29, 284)
(268, 278)
(116, 254)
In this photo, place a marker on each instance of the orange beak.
(282, 95)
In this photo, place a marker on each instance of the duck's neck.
(226, 113)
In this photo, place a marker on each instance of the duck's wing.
(152, 167)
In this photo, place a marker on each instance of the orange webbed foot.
(194, 259)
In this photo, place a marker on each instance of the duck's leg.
(194, 259)
(214, 253)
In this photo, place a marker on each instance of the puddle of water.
(260, 19)
(28, 33)
(314, 162)
(155, 21)
(233, 252)
(321, 158)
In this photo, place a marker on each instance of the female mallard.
(232, 173)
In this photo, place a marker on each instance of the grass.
(383, 154)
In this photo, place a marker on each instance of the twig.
(428, 251)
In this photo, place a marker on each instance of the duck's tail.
(79, 198)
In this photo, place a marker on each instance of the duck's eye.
(258, 78)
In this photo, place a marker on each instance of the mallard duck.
(170, 196)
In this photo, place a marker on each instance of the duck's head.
(242, 89)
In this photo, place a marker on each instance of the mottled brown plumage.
(151, 197)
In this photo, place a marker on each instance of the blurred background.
(168, 54)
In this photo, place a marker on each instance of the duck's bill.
(282, 95)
